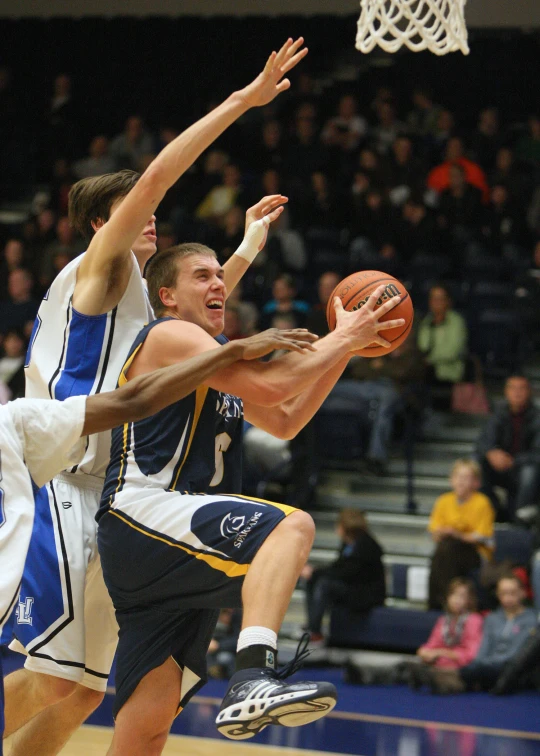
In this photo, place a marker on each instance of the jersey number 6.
(223, 441)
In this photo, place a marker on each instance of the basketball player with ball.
(177, 539)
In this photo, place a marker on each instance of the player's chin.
(216, 322)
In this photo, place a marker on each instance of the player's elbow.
(283, 425)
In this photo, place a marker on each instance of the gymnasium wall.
(479, 13)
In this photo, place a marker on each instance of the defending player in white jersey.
(95, 308)
(38, 438)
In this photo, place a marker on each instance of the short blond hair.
(469, 464)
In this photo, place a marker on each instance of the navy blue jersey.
(192, 446)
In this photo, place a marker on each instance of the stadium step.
(371, 501)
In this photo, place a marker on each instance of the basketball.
(354, 292)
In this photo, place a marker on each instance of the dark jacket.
(497, 434)
(361, 567)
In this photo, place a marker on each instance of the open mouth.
(215, 304)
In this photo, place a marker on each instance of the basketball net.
(434, 25)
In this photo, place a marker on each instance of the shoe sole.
(244, 720)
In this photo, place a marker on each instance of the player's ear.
(97, 223)
(167, 296)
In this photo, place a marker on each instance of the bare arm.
(269, 384)
(288, 418)
(150, 393)
(103, 273)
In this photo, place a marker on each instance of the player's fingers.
(274, 215)
(338, 305)
(382, 342)
(388, 324)
(301, 334)
(273, 202)
(373, 297)
(294, 47)
(282, 53)
(283, 86)
(387, 306)
(294, 61)
(270, 63)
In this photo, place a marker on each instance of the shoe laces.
(300, 656)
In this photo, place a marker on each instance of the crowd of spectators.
(449, 203)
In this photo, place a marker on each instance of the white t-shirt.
(38, 439)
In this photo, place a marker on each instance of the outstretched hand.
(260, 216)
(270, 82)
(294, 340)
(363, 326)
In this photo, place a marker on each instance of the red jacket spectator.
(439, 177)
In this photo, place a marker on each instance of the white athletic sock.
(257, 636)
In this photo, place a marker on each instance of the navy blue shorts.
(171, 561)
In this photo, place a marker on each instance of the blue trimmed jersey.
(72, 354)
(193, 446)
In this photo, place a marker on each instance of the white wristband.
(253, 240)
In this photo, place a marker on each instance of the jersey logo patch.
(24, 611)
(67, 504)
(231, 525)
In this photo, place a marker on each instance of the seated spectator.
(131, 145)
(66, 243)
(14, 350)
(503, 224)
(416, 230)
(439, 178)
(509, 450)
(453, 643)
(98, 161)
(437, 142)
(316, 320)
(422, 119)
(284, 302)
(528, 297)
(268, 151)
(247, 311)
(391, 382)
(12, 258)
(403, 172)
(371, 227)
(461, 525)
(347, 128)
(222, 648)
(460, 209)
(528, 147)
(388, 128)
(221, 198)
(305, 153)
(356, 578)
(456, 637)
(511, 174)
(62, 181)
(442, 337)
(485, 140)
(505, 632)
(20, 308)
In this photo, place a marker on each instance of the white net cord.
(434, 25)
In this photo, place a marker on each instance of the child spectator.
(505, 632)
(461, 525)
(456, 637)
(356, 578)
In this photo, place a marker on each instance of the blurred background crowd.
(400, 167)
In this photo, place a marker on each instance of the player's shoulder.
(172, 330)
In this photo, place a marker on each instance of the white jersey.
(38, 439)
(72, 354)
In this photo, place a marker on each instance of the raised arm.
(150, 393)
(103, 273)
(258, 220)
